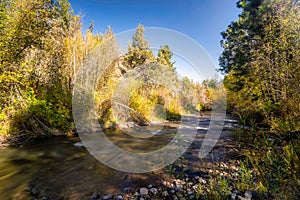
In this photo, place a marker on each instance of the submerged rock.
(79, 144)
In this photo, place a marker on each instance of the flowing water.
(58, 169)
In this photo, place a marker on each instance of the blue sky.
(202, 20)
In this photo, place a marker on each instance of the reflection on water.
(56, 168)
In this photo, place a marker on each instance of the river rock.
(153, 191)
(107, 197)
(143, 191)
(190, 192)
(79, 144)
(248, 195)
(175, 197)
(178, 188)
(234, 194)
(119, 197)
(95, 196)
(201, 180)
(165, 194)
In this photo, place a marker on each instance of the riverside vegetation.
(42, 48)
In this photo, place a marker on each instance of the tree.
(164, 56)
(261, 60)
(33, 72)
(139, 51)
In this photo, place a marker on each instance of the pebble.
(165, 194)
(189, 184)
(178, 188)
(95, 196)
(143, 191)
(201, 180)
(241, 198)
(233, 195)
(153, 191)
(190, 192)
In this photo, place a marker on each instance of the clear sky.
(202, 20)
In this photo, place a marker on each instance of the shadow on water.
(55, 168)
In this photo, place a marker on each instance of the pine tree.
(164, 56)
(139, 51)
(261, 60)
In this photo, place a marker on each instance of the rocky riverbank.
(189, 187)
(63, 169)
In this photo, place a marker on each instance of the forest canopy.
(43, 47)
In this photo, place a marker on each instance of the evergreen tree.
(261, 60)
(139, 51)
(164, 56)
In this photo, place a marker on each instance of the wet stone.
(107, 197)
(165, 194)
(143, 191)
(119, 197)
(95, 196)
(153, 191)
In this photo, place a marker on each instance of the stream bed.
(58, 169)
